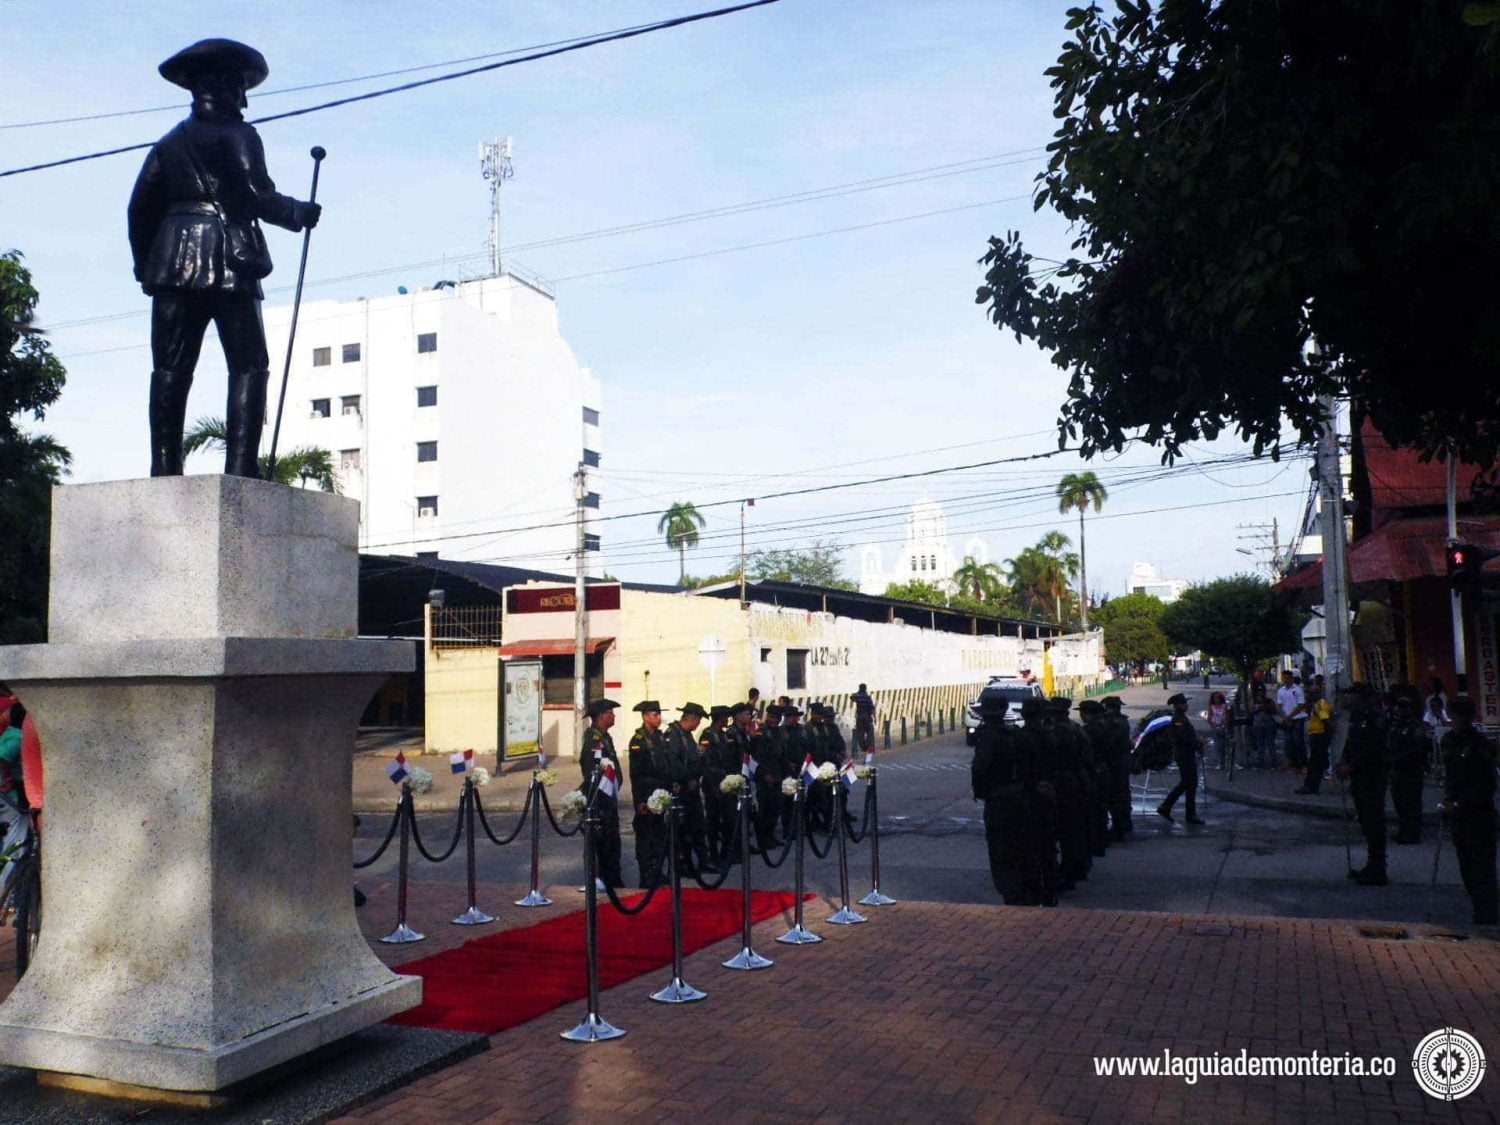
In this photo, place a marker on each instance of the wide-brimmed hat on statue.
(208, 56)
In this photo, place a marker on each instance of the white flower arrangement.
(864, 773)
(480, 775)
(732, 784)
(789, 787)
(419, 780)
(827, 771)
(659, 802)
(546, 776)
(572, 804)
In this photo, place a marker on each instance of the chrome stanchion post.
(844, 916)
(534, 897)
(678, 991)
(875, 897)
(403, 933)
(594, 1027)
(799, 934)
(473, 916)
(746, 958)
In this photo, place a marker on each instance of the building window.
(914, 566)
(590, 542)
(590, 416)
(350, 460)
(351, 353)
(591, 458)
(427, 554)
(591, 500)
(924, 562)
(426, 396)
(557, 677)
(426, 342)
(427, 506)
(322, 407)
(932, 562)
(426, 451)
(322, 357)
(349, 404)
(765, 656)
(796, 669)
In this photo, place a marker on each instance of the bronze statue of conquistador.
(199, 251)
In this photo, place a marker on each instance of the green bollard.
(940, 721)
(886, 732)
(903, 730)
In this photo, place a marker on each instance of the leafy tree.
(304, 464)
(1132, 629)
(979, 582)
(1244, 178)
(681, 522)
(1031, 575)
(692, 582)
(1081, 491)
(31, 379)
(820, 564)
(917, 591)
(1236, 619)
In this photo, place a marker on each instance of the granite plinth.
(198, 919)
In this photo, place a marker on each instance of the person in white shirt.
(1291, 711)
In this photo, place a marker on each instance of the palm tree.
(1081, 491)
(981, 581)
(303, 464)
(680, 523)
(1060, 569)
(1029, 575)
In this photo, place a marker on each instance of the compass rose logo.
(1448, 1064)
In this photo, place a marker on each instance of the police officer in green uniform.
(1407, 743)
(742, 723)
(650, 770)
(1120, 746)
(1185, 747)
(1366, 766)
(1469, 806)
(719, 761)
(597, 750)
(687, 783)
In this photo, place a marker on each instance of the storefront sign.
(521, 723)
(1487, 669)
(559, 599)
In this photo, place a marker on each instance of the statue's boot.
(169, 396)
(247, 413)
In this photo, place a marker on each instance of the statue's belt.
(196, 207)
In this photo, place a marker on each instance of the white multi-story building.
(925, 557)
(1146, 579)
(457, 415)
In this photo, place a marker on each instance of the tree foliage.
(820, 564)
(917, 591)
(1235, 619)
(1132, 629)
(304, 465)
(1243, 177)
(31, 379)
(680, 524)
(980, 583)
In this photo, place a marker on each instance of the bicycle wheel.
(28, 916)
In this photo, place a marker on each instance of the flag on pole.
(609, 783)
(809, 771)
(847, 775)
(397, 769)
(869, 757)
(1151, 728)
(748, 767)
(461, 763)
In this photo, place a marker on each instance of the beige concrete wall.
(659, 657)
(463, 700)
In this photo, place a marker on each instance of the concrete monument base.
(197, 707)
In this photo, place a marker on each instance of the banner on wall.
(521, 720)
(1487, 669)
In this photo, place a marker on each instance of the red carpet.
(505, 979)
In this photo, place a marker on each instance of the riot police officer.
(597, 752)
(1469, 806)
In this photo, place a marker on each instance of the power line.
(611, 37)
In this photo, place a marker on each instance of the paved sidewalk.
(979, 1013)
(1276, 789)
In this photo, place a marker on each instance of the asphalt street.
(1244, 861)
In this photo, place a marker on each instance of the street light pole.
(1337, 663)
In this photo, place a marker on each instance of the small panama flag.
(397, 769)
(1151, 728)
(461, 763)
(809, 771)
(869, 757)
(609, 782)
(748, 766)
(847, 775)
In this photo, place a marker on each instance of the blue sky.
(820, 360)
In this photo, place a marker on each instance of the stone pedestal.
(197, 707)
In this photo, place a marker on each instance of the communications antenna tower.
(495, 166)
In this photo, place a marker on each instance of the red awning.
(1403, 550)
(554, 647)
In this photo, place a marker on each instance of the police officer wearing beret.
(194, 223)
(598, 749)
(1366, 765)
(1469, 806)
(650, 769)
(1185, 747)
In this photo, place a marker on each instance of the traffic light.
(1465, 560)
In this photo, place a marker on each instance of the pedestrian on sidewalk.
(1218, 724)
(1319, 737)
(1263, 733)
(1469, 806)
(1291, 710)
(1408, 743)
(1185, 747)
(1366, 766)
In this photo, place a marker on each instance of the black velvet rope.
(485, 824)
(547, 808)
(614, 899)
(812, 843)
(864, 828)
(458, 833)
(389, 836)
(731, 849)
(786, 850)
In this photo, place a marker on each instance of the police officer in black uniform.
(1469, 806)
(1041, 799)
(687, 783)
(1407, 744)
(1120, 747)
(1072, 780)
(1091, 711)
(1185, 747)
(744, 740)
(1366, 766)
(598, 749)
(651, 768)
(719, 761)
(999, 777)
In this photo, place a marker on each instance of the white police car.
(1013, 690)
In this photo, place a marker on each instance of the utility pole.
(1455, 597)
(495, 166)
(580, 608)
(1337, 663)
(1264, 531)
(743, 505)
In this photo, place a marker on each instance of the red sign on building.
(560, 599)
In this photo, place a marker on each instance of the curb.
(1305, 808)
